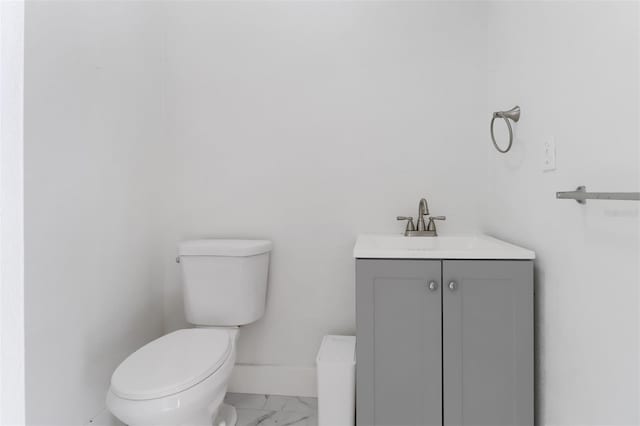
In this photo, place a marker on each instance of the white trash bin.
(336, 363)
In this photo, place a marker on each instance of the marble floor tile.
(252, 417)
(276, 402)
(274, 410)
(245, 400)
(301, 404)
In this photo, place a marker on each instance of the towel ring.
(512, 114)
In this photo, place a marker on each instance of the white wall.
(573, 68)
(308, 123)
(92, 122)
(12, 405)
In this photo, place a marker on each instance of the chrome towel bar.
(581, 195)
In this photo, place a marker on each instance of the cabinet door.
(399, 343)
(488, 343)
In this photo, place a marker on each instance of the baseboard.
(104, 419)
(274, 380)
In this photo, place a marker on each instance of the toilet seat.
(172, 363)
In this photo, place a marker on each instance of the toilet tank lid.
(230, 247)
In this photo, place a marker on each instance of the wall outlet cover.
(549, 155)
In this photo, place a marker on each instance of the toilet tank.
(224, 281)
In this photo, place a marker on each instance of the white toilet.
(181, 379)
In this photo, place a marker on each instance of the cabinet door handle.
(433, 286)
(453, 286)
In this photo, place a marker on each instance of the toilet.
(181, 378)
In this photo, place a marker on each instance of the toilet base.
(227, 416)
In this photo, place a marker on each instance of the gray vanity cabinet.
(398, 343)
(487, 342)
(460, 354)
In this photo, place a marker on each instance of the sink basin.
(374, 246)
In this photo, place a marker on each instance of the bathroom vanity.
(444, 330)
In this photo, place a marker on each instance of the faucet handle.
(410, 225)
(432, 225)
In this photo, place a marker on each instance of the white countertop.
(397, 246)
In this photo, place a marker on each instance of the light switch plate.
(549, 155)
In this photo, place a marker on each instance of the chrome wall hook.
(514, 115)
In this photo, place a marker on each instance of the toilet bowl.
(177, 380)
(181, 379)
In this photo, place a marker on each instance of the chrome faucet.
(423, 210)
(423, 229)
